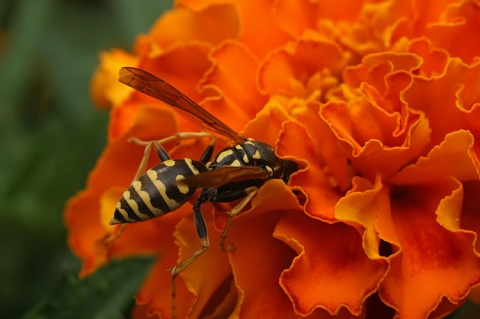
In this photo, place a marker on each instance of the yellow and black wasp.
(236, 172)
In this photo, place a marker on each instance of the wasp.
(235, 173)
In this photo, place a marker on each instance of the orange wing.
(225, 175)
(151, 85)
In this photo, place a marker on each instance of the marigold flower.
(379, 104)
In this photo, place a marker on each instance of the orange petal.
(417, 17)
(150, 237)
(296, 17)
(360, 208)
(470, 219)
(122, 118)
(459, 84)
(375, 69)
(371, 27)
(455, 157)
(446, 307)
(313, 181)
(300, 61)
(225, 110)
(266, 126)
(383, 133)
(331, 270)
(326, 143)
(85, 229)
(234, 74)
(104, 86)
(212, 24)
(435, 259)
(434, 60)
(108, 201)
(155, 294)
(372, 155)
(183, 66)
(458, 32)
(259, 258)
(258, 24)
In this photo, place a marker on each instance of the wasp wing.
(155, 87)
(225, 175)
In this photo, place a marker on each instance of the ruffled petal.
(460, 18)
(312, 180)
(292, 69)
(459, 85)
(267, 124)
(381, 72)
(372, 155)
(81, 213)
(470, 219)
(431, 249)
(360, 208)
(455, 156)
(259, 258)
(327, 150)
(258, 24)
(122, 118)
(104, 86)
(155, 293)
(233, 75)
(296, 17)
(210, 23)
(331, 270)
(434, 59)
(416, 17)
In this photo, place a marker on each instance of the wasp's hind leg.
(163, 155)
(201, 228)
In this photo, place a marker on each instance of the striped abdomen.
(156, 192)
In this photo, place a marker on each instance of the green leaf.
(106, 294)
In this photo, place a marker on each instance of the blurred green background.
(50, 137)
(50, 132)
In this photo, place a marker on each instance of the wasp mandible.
(236, 172)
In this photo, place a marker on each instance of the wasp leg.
(162, 154)
(201, 228)
(112, 237)
(250, 192)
